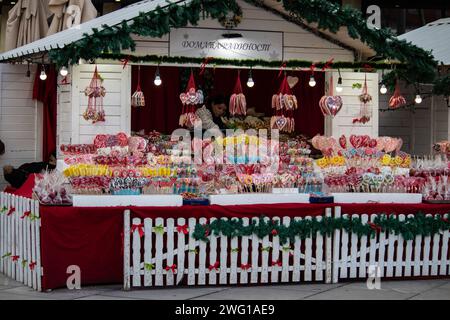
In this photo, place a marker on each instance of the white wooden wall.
(419, 129)
(72, 128)
(342, 122)
(20, 118)
(298, 42)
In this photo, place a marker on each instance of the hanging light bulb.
(383, 89)
(339, 87)
(250, 82)
(418, 99)
(157, 80)
(64, 72)
(312, 81)
(43, 75)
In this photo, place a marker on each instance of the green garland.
(419, 224)
(155, 24)
(421, 66)
(250, 62)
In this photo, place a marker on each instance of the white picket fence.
(157, 252)
(389, 255)
(20, 255)
(165, 256)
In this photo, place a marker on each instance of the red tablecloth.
(91, 237)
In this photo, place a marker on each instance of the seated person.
(17, 177)
(212, 114)
(2, 148)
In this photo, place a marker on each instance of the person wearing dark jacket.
(17, 177)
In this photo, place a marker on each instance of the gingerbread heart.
(184, 98)
(281, 123)
(292, 81)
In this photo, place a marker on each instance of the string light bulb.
(157, 80)
(383, 89)
(339, 87)
(418, 99)
(64, 72)
(43, 75)
(312, 81)
(250, 82)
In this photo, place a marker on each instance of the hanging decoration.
(284, 103)
(95, 91)
(330, 105)
(365, 98)
(138, 99)
(190, 99)
(238, 103)
(397, 100)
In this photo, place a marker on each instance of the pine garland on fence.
(419, 224)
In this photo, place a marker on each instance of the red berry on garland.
(274, 232)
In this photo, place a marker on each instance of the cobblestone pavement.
(436, 289)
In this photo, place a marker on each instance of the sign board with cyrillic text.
(226, 44)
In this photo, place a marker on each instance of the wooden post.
(328, 251)
(126, 250)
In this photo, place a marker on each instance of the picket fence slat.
(372, 248)
(426, 254)
(213, 262)
(234, 256)
(275, 254)
(354, 251)
(417, 255)
(399, 255)
(170, 247)
(223, 258)
(244, 255)
(435, 254)
(148, 266)
(297, 256)
(336, 248)
(2, 232)
(344, 251)
(181, 254)
(265, 257)
(319, 255)
(255, 255)
(285, 254)
(22, 260)
(408, 256)
(136, 254)
(363, 250)
(159, 247)
(308, 256)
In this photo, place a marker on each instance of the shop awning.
(433, 36)
(63, 38)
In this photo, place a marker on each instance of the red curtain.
(45, 92)
(163, 106)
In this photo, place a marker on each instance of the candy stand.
(264, 204)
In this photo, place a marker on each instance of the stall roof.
(63, 38)
(433, 36)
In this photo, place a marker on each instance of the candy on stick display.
(238, 103)
(190, 99)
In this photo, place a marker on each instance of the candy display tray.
(360, 197)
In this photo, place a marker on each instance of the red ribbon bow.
(203, 66)
(172, 267)
(375, 227)
(11, 211)
(25, 214)
(15, 258)
(125, 61)
(64, 80)
(283, 66)
(183, 229)
(277, 263)
(274, 232)
(368, 67)
(140, 229)
(328, 64)
(246, 266)
(32, 265)
(312, 68)
(214, 266)
(206, 230)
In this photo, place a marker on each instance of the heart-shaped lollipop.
(281, 123)
(343, 142)
(333, 104)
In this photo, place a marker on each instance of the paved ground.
(390, 290)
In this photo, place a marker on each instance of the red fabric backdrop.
(163, 105)
(91, 237)
(45, 92)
